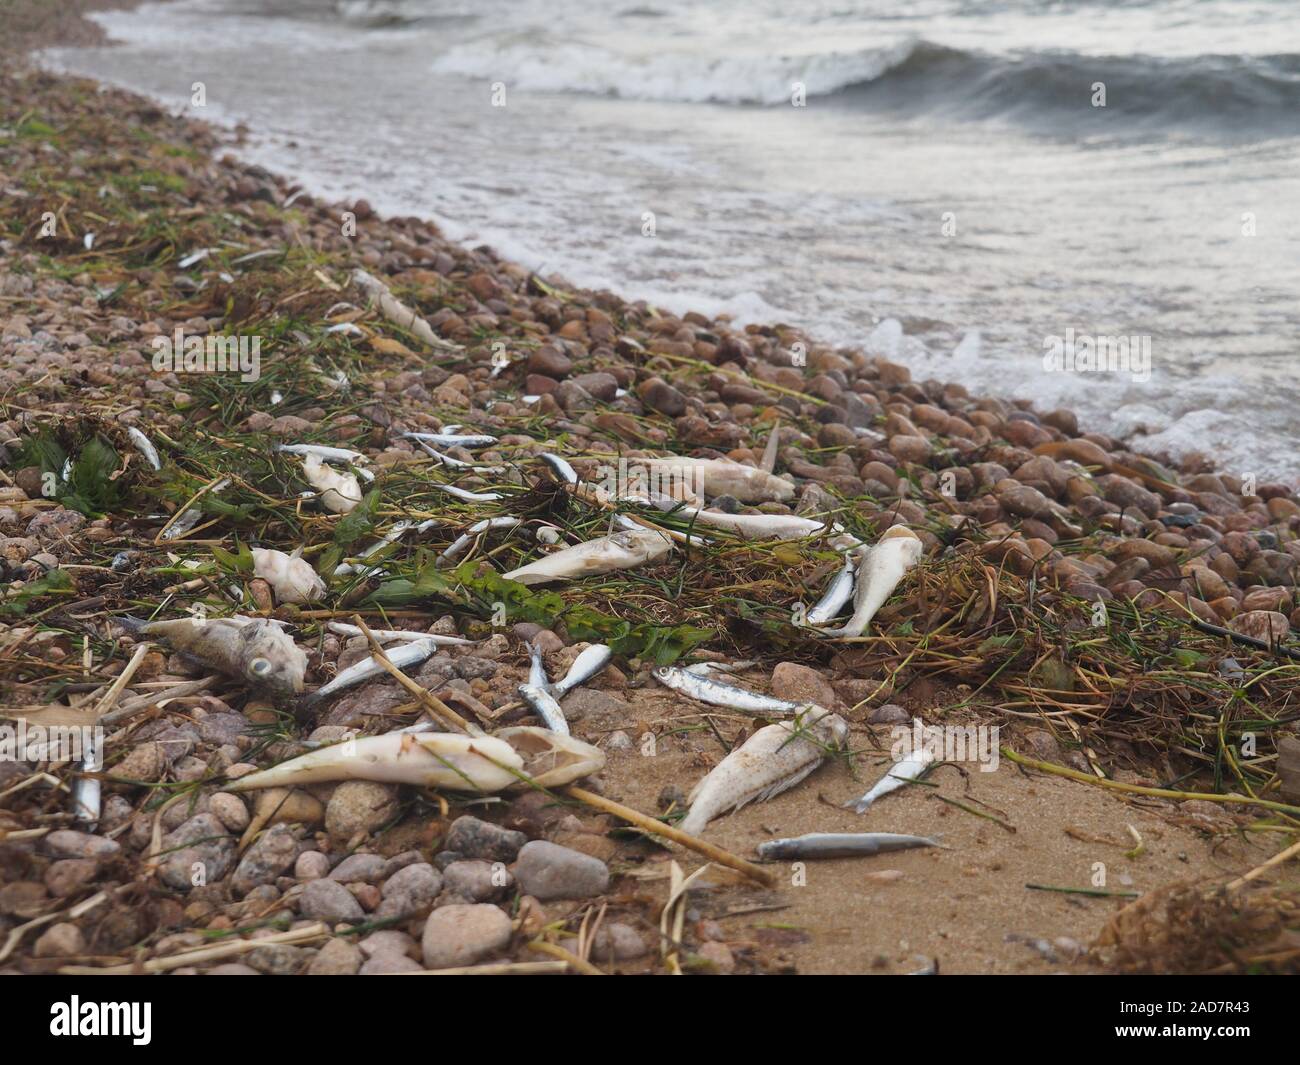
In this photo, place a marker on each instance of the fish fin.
(129, 624)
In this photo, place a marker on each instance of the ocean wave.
(910, 75)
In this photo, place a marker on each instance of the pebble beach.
(1125, 624)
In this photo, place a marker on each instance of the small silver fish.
(86, 790)
(620, 550)
(880, 569)
(537, 677)
(409, 654)
(839, 845)
(545, 706)
(406, 635)
(837, 595)
(470, 497)
(458, 546)
(590, 662)
(256, 650)
(750, 526)
(145, 446)
(325, 454)
(707, 690)
(900, 775)
(566, 473)
(452, 439)
(192, 514)
(772, 760)
(455, 463)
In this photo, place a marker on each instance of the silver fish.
(326, 454)
(590, 662)
(86, 790)
(839, 845)
(772, 760)
(452, 439)
(257, 650)
(837, 595)
(537, 677)
(455, 463)
(768, 462)
(344, 629)
(900, 775)
(545, 706)
(470, 497)
(192, 514)
(715, 693)
(703, 669)
(409, 654)
(750, 526)
(620, 550)
(394, 534)
(720, 477)
(880, 569)
(562, 469)
(457, 546)
(145, 446)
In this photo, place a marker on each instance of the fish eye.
(260, 667)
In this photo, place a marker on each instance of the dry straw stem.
(436, 706)
(658, 828)
(1138, 789)
(319, 930)
(1277, 859)
(566, 956)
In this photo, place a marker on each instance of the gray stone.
(548, 871)
(463, 935)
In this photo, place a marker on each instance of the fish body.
(452, 439)
(86, 791)
(562, 469)
(325, 454)
(537, 677)
(839, 845)
(772, 760)
(426, 759)
(705, 689)
(470, 497)
(620, 550)
(145, 446)
(590, 662)
(340, 492)
(458, 546)
(256, 650)
(900, 775)
(750, 526)
(880, 569)
(552, 759)
(383, 635)
(291, 579)
(408, 654)
(545, 707)
(837, 595)
(723, 477)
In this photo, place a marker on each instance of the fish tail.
(131, 625)
(693, 823)
(859, 806)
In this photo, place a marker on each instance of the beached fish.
(340, 492)
(703, 669)
(772, 760)
(458, 464)
(839, 845)
(86, 790)
(145, 446)
(722, 477)
(899, 776)
(705, 689)
(565, 472)
(458, 546)
(537, 677)
(880, 568)
(470, 497)
(750, 526)
(394, 534)
(408, 654)
(620, 550)
(544, 706)
(190, 517)
(550, 758)
(452, 439)
(291, 578)
(256, 650)
(590, 662)
(426, 759)
(405, 635)
(838, 593)
(325, 454)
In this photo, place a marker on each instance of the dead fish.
(470, 497)
(772, 760)
(839, 592)
(900, 775)
(340, 492)
(427, 759)
(458, 546)
(590, 662)
(86, 790)
(394, 534)
(544, 706)
(192, 513)
(537, 667)
(292, 579)
(409, 654)
(565, 472)
(256, 650)
(880, 568)
(620, 550)
(145, 446)
(723, 477)
(705, 668)
(839, 845)
(325, 454)
(452, 439)
(552, 760)
(382, 635)
(457, 464)
(750, 526)
(768, 463)
(707, 690)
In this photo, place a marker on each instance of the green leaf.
(56, 582)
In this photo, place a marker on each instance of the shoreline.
(1027, 524)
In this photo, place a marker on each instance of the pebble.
(274, 852)
(311, 865)
(618, 942)
(230, 810)
(463, 935)
(65, 843)
(889, 714)
(199, 852)
(409, 890)
(69, 876)
(801, 684)
(366, 868)
(478, 881)
(60, 941)
(359, 806)
(548, 871)
(338, 957)
(473, 838)
(328, 900)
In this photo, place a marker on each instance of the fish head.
(902, 539)
(551, 759)
(827, 728)
(271, 660)
(663, 674)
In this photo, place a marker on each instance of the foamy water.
(949, 195)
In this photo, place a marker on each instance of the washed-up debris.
(839, 845)
(399, 313)
(408, 654)
(458, 546)
(772, 760)
(449, 439)
(255, 650)
(620, 550)
(340, 492)
(561, 467)
(693, 683)
(902, 773)
(466, 496)
(291, 578)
